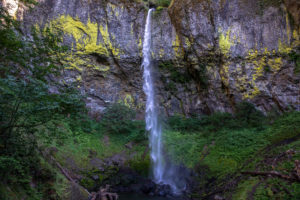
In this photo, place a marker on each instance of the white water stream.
(152, 124)
(161, 174)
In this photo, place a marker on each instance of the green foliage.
(221, 145)
(219, 121)
(162, 3)
(183, 124)
(26, 104)
(175, 74)
(120, 119)
(117, 118)
(275, 188)
(244, 188)
(201, 75)
(184, 148)
(245, 116)
(88, 183)
(140, 165)
(248, 115)
(10, 167)
(285, 127)
(295, 57)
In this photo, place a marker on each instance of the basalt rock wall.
(207, 55)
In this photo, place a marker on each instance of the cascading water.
(152, 124)
(160, 174)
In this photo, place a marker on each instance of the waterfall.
(162, 174)
(152, 124)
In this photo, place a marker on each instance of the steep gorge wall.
(208, 55)
(244, 47)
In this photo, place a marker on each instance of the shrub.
(26, 102)
(140, 165)
(212, 122)
(285, 127)
(162, 3)
(295, 57)
(248, 115)
(218, 121)
(117, 119)
(183, 148)
(9, 167)
(120, 119)
(183, 124)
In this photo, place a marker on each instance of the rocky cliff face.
(208, 55)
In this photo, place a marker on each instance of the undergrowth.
(227, 144)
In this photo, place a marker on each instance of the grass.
(223, 147)
(79, 145)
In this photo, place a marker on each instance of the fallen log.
(272, 173)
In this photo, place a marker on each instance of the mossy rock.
(141, 166)
(88, 183)
(77, 192)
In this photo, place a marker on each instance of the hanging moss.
(175, 73)
(295, 57)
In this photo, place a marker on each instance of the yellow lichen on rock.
(73, 62)
(140, 45)
(102, 68)
(260, 60)
(161, 53)
(224, 73)
(85, 35)
(296, 38)
(259, 66)
(113, 9)
(78, 78)
(275, 64)
(224, 42)
(127, 100)
(87, 41)
(177, 47)
(250, 94)
(188, 42)
(106, 38)
(283, 48)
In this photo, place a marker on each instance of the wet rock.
(129, 145)
(218, 197)
(163, 190)
(95, 177)
(97, 164)
(148, 187)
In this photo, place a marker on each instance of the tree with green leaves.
(26, 101)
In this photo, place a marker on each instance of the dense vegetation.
(222, 146)
(27, 105)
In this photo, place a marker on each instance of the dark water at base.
(140, 197)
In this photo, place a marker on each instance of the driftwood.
(274, 174)
(294, 176)
(103, 194)
(289, 154)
